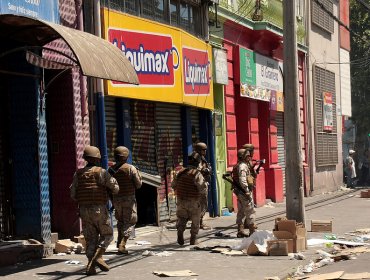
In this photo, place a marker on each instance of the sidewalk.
(345, 208)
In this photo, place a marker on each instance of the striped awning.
(95, 56)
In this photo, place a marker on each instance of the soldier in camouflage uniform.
(199, 153)
(241, 175)
(90, 188)
(189, 185)
(124, 202)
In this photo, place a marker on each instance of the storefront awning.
(95, 56)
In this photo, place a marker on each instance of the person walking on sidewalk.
(90, 188)
(200, 150)
(350, 169)
(189, 185)
(243, 178)
(124, 202)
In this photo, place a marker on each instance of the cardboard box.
(296, 243)
(321, 226)
(277, 247)
(64, 246)
(54, 237)
(365, 194)
(80, 239)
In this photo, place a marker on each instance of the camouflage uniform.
(189, 185)
(242, 175)
(90, 188)
(124, 202)
(199, 154)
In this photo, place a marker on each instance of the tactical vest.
(185, 187)
(235, 173)
(88, 192)
(126, 186)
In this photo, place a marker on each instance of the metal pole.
(294, 168)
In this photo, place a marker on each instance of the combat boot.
(193, 239)
(241, 232)
(203, 225)
(180, 237)
(122, 246)
(252, 228)
(90, 269)
(97, 260)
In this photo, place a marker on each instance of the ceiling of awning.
(96, 56)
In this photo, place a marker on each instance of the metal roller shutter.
(194, 113)
(169, 152)
(2, 189)
(111, 126)
(143, 136)
(281, 144)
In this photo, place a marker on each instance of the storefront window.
(174, 13)
(177, 12)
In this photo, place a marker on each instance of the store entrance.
(146, 198)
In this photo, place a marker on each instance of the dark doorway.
(146, 198)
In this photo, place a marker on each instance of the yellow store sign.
(172, 65)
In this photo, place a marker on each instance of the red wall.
(344, 17)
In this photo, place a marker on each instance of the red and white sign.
(152, 55)
(196, 71)
(327, 111)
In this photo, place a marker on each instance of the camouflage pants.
(126, 215)
(96, 227)
(245, 210)
(203, 204)
(188, 209)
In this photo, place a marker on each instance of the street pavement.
(345, 208)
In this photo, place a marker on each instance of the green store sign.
(247, 67)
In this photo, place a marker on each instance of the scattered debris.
(72, 262)
(221, 234)
(143, 242)
(296, 256)
(337, 275)
(161, 254)
(176, 273)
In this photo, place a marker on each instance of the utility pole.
(294, 169)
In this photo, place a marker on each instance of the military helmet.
(249, 147)
(200, 146)
(91, 152)
(241, 153)
(121, 151)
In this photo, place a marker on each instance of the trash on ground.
(318, 241)
(221, 234)
(232, 253)
(175, 273)
(143, 242)
(256, 243)
(72, 262)
(61, 254)
(321, 226)
(296, 256)
(160, 254)
(337, 275)
(272, 278)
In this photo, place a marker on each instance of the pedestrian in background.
(350, 169)
(364, 167)
(90, 188)
(200, 151)
(189, 185)
(124, 202)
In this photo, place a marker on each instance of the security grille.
(194, 114)
(280, 143)
(326, 142)
(321, 14)
(110, 125)
(144, 154)
(169, 154)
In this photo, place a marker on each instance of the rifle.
(235, 186)
(260, 162)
